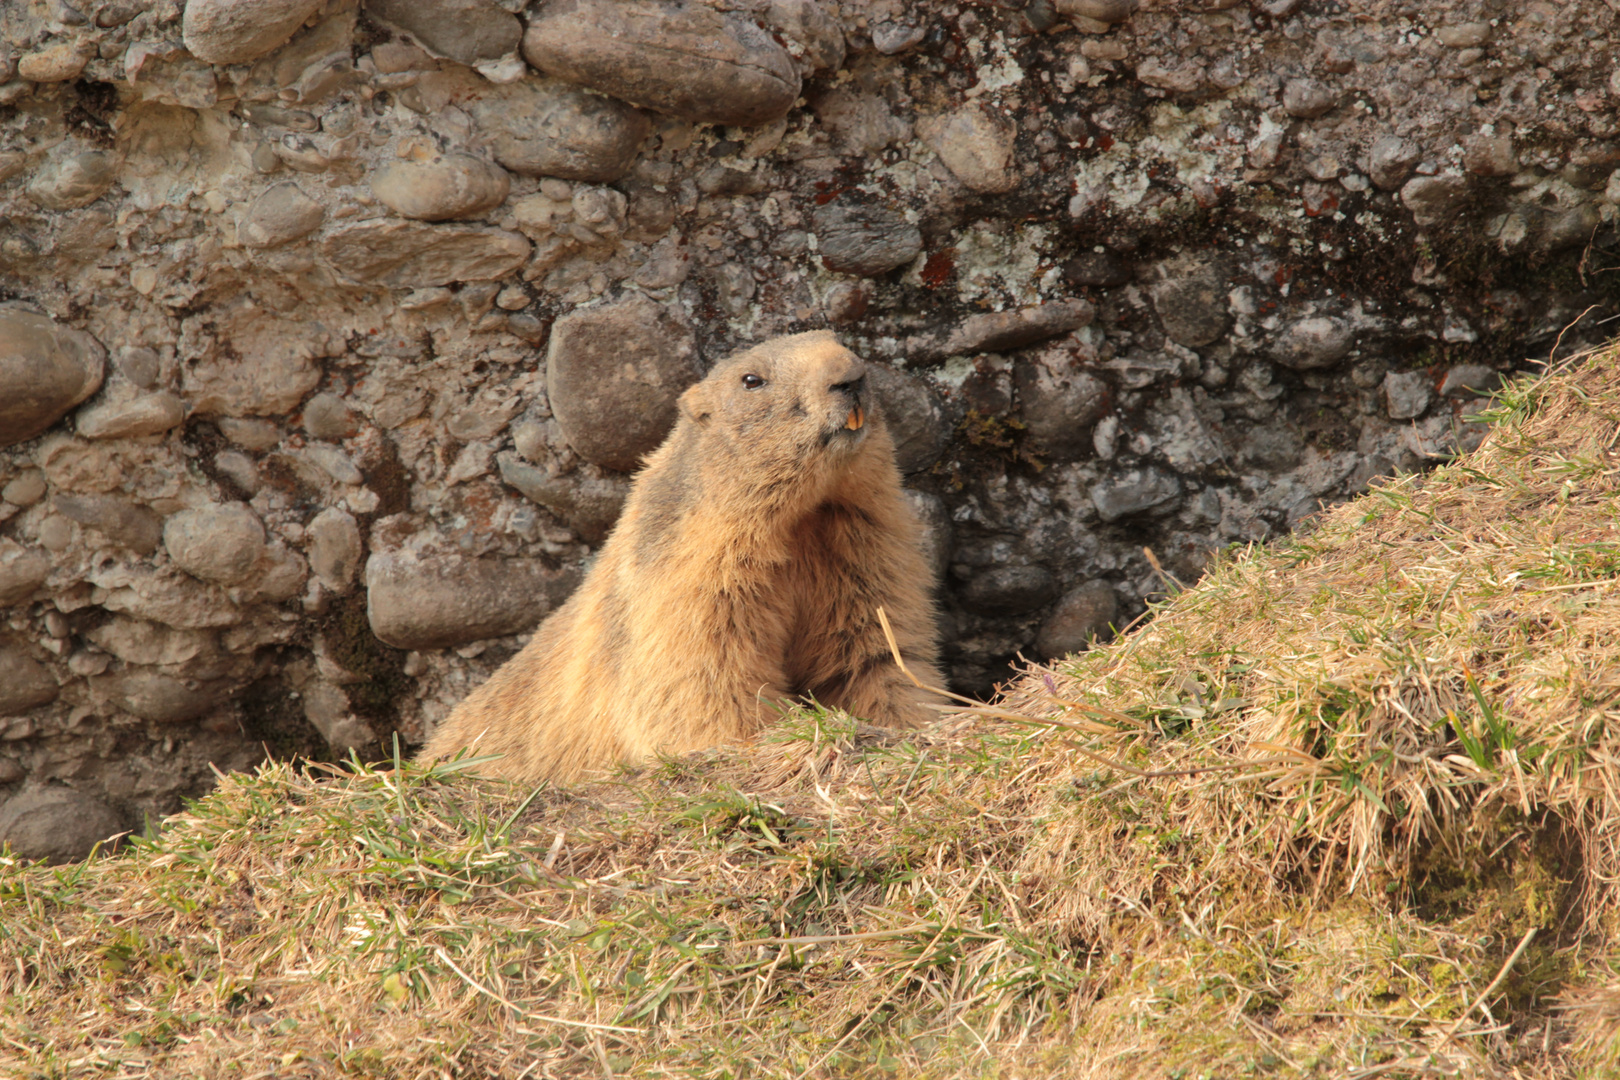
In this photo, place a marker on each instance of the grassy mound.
(1348, 807)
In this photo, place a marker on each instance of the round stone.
(24, 682)
(864, 240)
(334, 547)
(220, 543)
(22, 571)
(280, 215)
(915, 415)
(45, 370)
(1008, 590)
(149, 414)
(975, 145)
(327, 416)
(56, 824)
(441, 188)
(1193, 309)
(434, 602)
(1317, 342)
(670, 55)
(1060, 408)
(547, 127)
(236, 31)
(1084, 615)
(1134, 491)
(73, 180)
(466, 31)
(613, 374)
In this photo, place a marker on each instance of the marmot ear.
(695, 403)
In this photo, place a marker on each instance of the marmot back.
(747, 568)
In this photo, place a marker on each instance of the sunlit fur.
(747, 569)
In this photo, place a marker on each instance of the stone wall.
(334, 329)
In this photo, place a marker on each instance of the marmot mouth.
(857, 417)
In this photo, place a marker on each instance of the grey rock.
(118, 519)
(1192, 309)
(56, 63)
(415, 254)
(676, 57)
(1470, 380)
(22, 571)
(547, 127)
(441, 188)
(937, 534)
(162, 698)
(24, 682)
(915, 416)
(1103, 11)
(69, 179)
(1134, 491)
(236, 31)
(136, 641)
(813, 28)
(975, 144)
(249, 434)
(1490, 155)
(140, 365)
(240, 470)
(466, 31)
(864, 240)
(1316, 342)
(56, 824)
(999, 331)
(613, 374)
(1390, 160)
(45, 370)
(1306, 99)
(1434, 199)
(892, 38)
(281, 214)
(1104, 269)
(334, 546)
(327, 706)
(149, 414)
(1008, 590)
(327, 416)
(1407, 394)
(1084, 615)
(221, 543)
(1060, 408)
(24, 489)
(589, 505)
(164, 595)
(1464, 35)
(434, 602)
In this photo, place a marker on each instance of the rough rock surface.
(434, 602)
(236, 31)
(57, 824)
(613, 374)
(1130, 275)
(670, 55)
(441, 187)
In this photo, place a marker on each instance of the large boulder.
(613, 374)
(436, 601)
(676, 57)
(45, 370)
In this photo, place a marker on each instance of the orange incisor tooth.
(856, 419)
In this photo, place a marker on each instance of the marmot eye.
(752, 382)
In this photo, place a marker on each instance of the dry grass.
(1348, 807)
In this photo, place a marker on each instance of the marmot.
(746, 570)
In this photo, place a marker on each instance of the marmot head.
(790, 402)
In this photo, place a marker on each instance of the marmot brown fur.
(747, 568)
